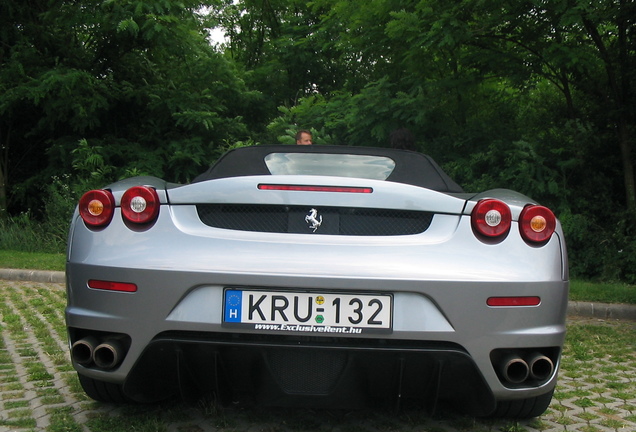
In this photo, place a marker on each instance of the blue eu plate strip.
(233, 300)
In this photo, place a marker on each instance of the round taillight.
(491, 218)
(536, 223)
(140, 204)
(96, 207)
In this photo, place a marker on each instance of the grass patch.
(603, 350)
(62, 420)
(137, 421)
(32, 260)
(24, 422)
(602, 292)
(16, 404)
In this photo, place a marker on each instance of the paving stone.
(597, 394)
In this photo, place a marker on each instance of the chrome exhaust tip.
(108, 354)
(83, 349)
(541, 367)
(515, 370)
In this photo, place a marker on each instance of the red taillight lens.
(536, 223)
(491, 218)
(140, 204)
(96, 207)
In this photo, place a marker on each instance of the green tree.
(535, 95)
(585, 49)
(137, 78)
(283, 45)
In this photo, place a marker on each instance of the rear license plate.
(308, 311)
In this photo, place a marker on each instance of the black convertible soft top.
(410, 167)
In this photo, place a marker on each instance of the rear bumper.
(439, 341)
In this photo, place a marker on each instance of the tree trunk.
(3, 195)
(4, 167)
(625, 143)
(617, 80)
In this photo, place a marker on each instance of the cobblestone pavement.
(39, 390)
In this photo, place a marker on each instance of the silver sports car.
(317, 276)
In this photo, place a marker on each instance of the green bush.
(61, 200)
(24, 234)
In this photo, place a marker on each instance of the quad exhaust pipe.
(541, 367)
(83, 349)
(516, 370)
(106, 354)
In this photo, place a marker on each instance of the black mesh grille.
(307, 372)
(297, 220)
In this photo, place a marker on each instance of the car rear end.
(314, 290)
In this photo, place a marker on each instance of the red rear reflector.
(302, 188)
(513, 301)
(112, 286)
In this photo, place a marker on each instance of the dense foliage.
(534, 95)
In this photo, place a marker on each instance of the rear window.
(373, 163)
(341, 165)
